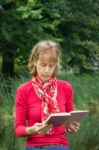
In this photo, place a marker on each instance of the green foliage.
(7, 95)
(75, 25)
(87, 137)
(85, 89)
(80, 31)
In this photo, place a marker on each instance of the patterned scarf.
(47, 92)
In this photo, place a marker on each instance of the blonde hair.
(41, 48)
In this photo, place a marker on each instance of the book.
(78, 115)
(57, 119)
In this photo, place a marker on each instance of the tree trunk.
(7, 64)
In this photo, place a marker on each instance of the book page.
(57, 119)
(78, 115)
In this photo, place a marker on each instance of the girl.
(42, 95)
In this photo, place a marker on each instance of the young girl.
(42, 95)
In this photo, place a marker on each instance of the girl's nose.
(47, 69)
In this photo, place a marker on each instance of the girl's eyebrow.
(49, 63)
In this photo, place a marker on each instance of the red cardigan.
(28, 112)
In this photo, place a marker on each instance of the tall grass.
(8, 141)
(86, 97)
(86, 89)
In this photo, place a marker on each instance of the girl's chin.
(45, 79)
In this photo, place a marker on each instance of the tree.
(80, 32)
(16, 28)
(75, 25)
(23, 24)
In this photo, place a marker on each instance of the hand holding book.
(72, 126)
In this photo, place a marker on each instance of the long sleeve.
(20, 114)
(70, 98)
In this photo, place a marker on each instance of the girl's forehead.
(48, 57)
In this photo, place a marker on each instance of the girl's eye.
(43, 64)
(51, 66)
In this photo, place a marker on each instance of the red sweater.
(28, 112)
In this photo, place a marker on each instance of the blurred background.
(75, 26)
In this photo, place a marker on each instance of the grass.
(86, 89)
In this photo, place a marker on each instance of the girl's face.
(45, 67)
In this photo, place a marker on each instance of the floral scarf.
(47, 92)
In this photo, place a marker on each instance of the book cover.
(57, 119)
(78, 115)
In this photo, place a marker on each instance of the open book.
(57, 119)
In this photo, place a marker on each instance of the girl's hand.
(40, 128)
(72, 126)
